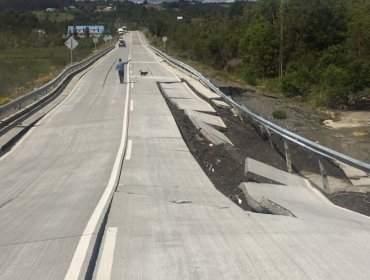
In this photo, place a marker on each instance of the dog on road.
(143, 73)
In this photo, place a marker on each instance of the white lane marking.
(128, 150)
(74, 269)
(132, 85)
(106, 261)
(132, 105)
(130, 72)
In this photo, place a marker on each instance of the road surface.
(110, 157)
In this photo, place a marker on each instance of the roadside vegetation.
(317, 51)
(32, 49)
(314, 51)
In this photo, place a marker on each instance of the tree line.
(317, 50)
(30, 5)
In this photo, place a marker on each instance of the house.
(81, 30)
(40, 32)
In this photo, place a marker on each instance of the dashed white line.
(106, 261)
(131, 105)
(128, 150)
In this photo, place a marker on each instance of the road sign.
(107, 38)
(95, 40)
(71, 43)
(164, 39)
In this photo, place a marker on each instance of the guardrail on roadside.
(20, 106)
(269, 126)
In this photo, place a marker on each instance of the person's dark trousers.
(121, 75)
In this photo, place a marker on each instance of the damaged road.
(224, 163)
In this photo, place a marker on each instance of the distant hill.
(29, 5)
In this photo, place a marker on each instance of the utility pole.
(281, 40)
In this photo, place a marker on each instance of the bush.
(297, 81)
(248, 75)
(279, 114)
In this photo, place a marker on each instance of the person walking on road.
(121, 69)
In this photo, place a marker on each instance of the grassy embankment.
(23, 69)
(54, 16)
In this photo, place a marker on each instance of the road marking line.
(128, 150)
(106, 261)
(132, 105)
(79, 256)
(132, 85)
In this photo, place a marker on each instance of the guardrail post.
(324, 176)
(268, 133)
(288, 158)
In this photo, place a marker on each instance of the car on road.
(121, 43)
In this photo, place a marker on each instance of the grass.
(22, 70)
(279, 114)
(58, 17)
(20, 67)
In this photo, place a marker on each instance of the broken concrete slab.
(201, 90)
(273, 173)
(301, 202)
(275, 208)
(210, 133)
(192, 104)
(260, 204)
(213, 120)
(176, 90)
(220, 104)
(356, 176)
(352, 172)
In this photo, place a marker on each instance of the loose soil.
(224, 164)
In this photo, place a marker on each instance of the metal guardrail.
(269, 126)
(16, 108)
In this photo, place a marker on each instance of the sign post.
(164, 39)
(71, 43)
(95, 40)
(108, 38)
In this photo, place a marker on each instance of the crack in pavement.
(45, 240)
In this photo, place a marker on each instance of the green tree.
(260, 48)
(358, 36)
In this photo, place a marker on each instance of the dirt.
(224, 164)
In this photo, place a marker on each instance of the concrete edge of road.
(16, 131)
